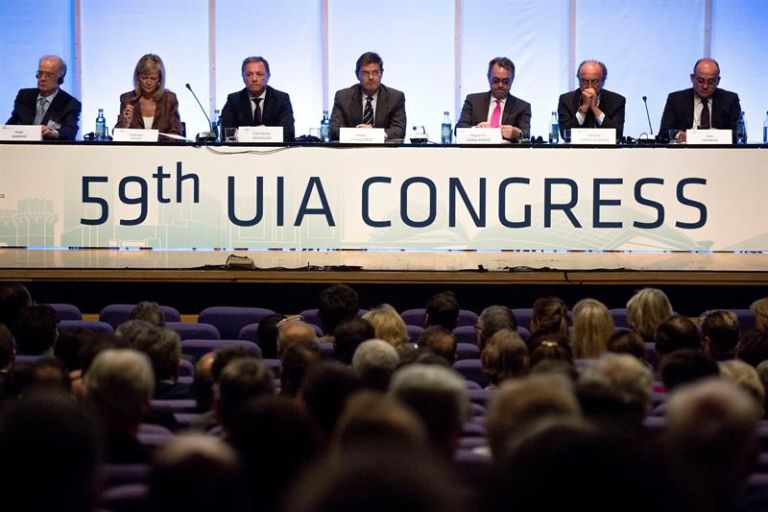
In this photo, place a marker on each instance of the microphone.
(645, 101)
(208, 136)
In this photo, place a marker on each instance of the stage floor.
(361, 266)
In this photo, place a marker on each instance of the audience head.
(720, 333)
(746, 377)
(294, 331)
(374, 363)
(438, 395)
(550, 349)
(7, 348)
(505, 356)
(149, 75)
(676, 333)
(753, 347)
(440, 341)
(686, 366)
(388, 325)
(225, 355)
(549, 318)
(13, 298)
(616, 389)
(149, 312)
(296, 359)
(592, 326)
(163, 346)
(266, 333)
(337, 302)
(759, 308)
(442, 310)
(348, 336)
(325, 390)
(626, 342)
(35, 330)
(240, 381)
(202, 385)
(493, 319)
(521, 402)
(646, 310)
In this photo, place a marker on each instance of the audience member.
(646, 310)
(676, 332)
(550, 349)
(719, 333)
(759, 308)
(290, 331)
(442, 310)
(325, 390)
(626, 342)
(388, 325)
(746, 377)
(549, 319)
(7, 355)
(439, 340)
(163, 346)
(337, 302)
(13, 298)
(592, 326)
(753, 347)
(266, 333)
(349, 334)
(202, 385)
(493, 319)
(685, 367)
(374, 363)
(505, 356)
(240, 381)
(149, 312)
(296, 359)
(35, 330)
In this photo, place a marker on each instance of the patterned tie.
(257, 113)
(368, 114)
(42, 108)
(705, 122)
(496, 116)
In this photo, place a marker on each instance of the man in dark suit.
(48, 105)
(258, 104)
(686, 109)
(498, 108)
(369, 104)
(591, 106)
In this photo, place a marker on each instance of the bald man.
(592, 106)
(685, 109)
(48, 105)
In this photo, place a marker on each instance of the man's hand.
(588, 97)
(484, 124)
(510, 132)
(49, 133)
(364, 126)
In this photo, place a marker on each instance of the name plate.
(593, 136)
(708, 137)
(30, 132)
(478, 136)
(134, 135)
(362, 135)
(260, 134)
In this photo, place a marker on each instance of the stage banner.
(412, 198)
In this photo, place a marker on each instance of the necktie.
(257, 113)
(42, 107)
(705, 123)
(496, 116)
(368, 114)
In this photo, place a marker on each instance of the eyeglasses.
(587, 83)
(477, 327)
(370, 74)
(502, 81)
(709, 81)
(45, 74)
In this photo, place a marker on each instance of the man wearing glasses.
(498, 108)
(591, 106)
(703, 106)
(369, 104)
(48, 105)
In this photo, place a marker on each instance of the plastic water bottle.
(446, 131)
(325, 127)
(215, 124)
(765, 129)
(741, 130)
(101, 126)
(554, 129)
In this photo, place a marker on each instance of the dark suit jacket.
(166, 118)
(64, 110)
(390, 111)
(678, 112)
(612, 105)
(475, 110)
(276, 111)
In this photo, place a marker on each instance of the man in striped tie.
(498, 108)
(369, 103)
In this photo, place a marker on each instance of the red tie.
(496, 116)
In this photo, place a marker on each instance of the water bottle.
(101, 126)
(215, 124)
(765, 129)
(446, 130)
(325, 128)
(741, 130)
(554, 129)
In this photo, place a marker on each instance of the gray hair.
(375, 361)
(120, 383)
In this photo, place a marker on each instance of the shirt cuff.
(580, 118)
(601, 118)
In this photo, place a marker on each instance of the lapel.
(717, 108)
(485, 104)
(266, 110)
(688, 109)
(509, 106)
(55, 107)
(381, 108)
(356, 106)
(244, 106)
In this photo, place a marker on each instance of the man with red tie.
(498, 108)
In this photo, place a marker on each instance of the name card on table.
(134, 135)
(593, 136)
(362, 135)
(30, 132)
(708, 137)
(478, 136)
(260, 134)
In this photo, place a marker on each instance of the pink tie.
(496, 116)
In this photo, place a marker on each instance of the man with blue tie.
(47, 104)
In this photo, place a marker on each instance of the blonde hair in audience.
(646, 310)
(746, 377)
(760, 309)
(592, 326)
(388, 325)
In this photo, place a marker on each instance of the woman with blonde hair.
(388, 325)
(646, 310)
(150, 104)
(592, 326)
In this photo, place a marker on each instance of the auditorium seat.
(465, 334)
(194, 331)
(230, 319)
(651, 356)
(125, 498)
(414, 331)
(523, 316)
(116, 314)
(471, 370)
(121, 474)
(93, 325)
(414, 316)
(273, 364)
(198, 348)
(467, 351)
(67, 311)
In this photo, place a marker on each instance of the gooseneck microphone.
(645, 101)
(208, 136)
